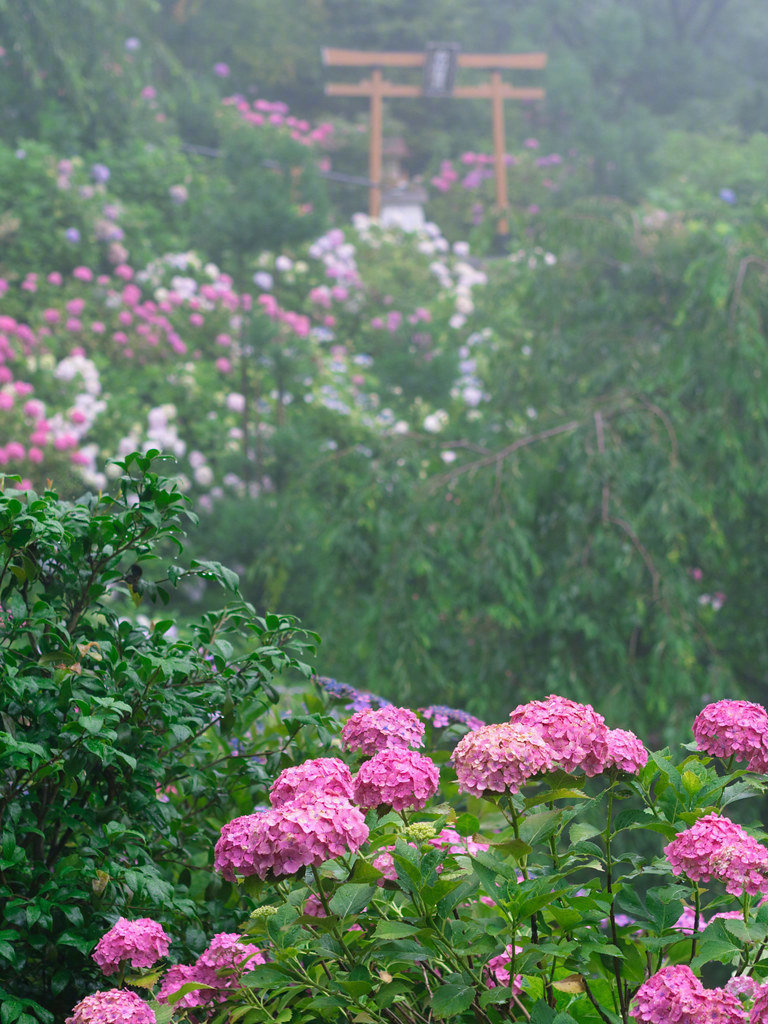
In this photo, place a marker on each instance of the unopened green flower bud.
(420, 831)
(263, 912)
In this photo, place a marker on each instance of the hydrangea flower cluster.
(313, 907)
(499, 757)
(450, 841)
(178, 976)
(676, 994)
(219, 968)
(385, 863)
(327, 775)
(115, 1006)
(716, 847)
(625, 751)
(734, 728)
(687, 921)
(358, 699)
(575, 733)
(142, 943)
(497, 971)
(398, 778)
(282, 840)
(759, 1012)
(742, 985)
(370, 731)
(442, 716)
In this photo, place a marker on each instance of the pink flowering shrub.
(179, 326)
(716, 847)
(398, 778)
(575, 733)
(492, 891)
(447, 840)
(676, 994)
(141, 943)
(325, 776)
(500, 758)
(625, 752)
(497, 970)
(734, 728)
(283, 840)
(372, 730)
(217, 970)
(759, 1012)
(113, 1007)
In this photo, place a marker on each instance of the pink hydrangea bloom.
(226, 958)
(219, 968)
(450, 841)
(398, 778)
(723, 1007)
(112, 1007)
(742, 985)
(142, 943)
(499, 758)
(497, 971)
(327, 775)
(625, 751)
(313, 906)
(372, 730)
(685, 923)
(385, 863)
(734, 728)
(759, 1014)
(672, 994)
(576, 733)
(729, 915)
(283, 840)
(716, 847)
(176, 978)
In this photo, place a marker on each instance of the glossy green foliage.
(103, 716)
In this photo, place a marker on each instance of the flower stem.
(621, 993)
(696, 919)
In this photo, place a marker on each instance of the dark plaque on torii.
(440, 69)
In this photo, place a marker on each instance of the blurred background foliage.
(619, 75)
(572, 562)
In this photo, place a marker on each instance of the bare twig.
(606, 495)
(651, 407)
(642, 550)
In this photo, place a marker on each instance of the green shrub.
(103, 717)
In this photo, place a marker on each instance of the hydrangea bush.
(546, 869)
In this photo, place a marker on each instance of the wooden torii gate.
(377, 88)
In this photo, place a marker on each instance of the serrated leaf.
(351, 898)
(448, 1000)
(467, 825)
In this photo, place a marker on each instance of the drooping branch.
(496, 458)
